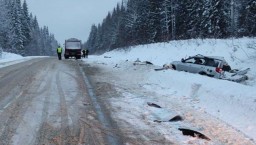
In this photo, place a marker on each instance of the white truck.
(73, 48)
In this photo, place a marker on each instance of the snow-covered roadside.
(239, 53)
(228, 102)
(10, 59)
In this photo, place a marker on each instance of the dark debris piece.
(158, 121)
(148, 62)
(193, 133)
(176, 118)
(153, 105)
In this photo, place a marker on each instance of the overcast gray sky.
(70, 18)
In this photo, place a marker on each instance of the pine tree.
(91, 42)
(182, 19)
(16, 36)
(106, 32)
(155, 32)
(167, 18)
(143, 23)
(195, 15)
(53, 45)
(98, 45)
(35, 44)
(131, 20)
(235, 9)
(219, 17)
(3, 24)
(119, 26)
(121, 31)
(26, 27)
(249, 18)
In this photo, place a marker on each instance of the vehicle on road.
(212, 66)
(73, 48)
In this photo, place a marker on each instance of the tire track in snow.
(13, 113)
(65, 130)
(108, 128)
(41, 137)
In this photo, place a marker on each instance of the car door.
(198, 66)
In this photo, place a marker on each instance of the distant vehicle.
(212, 66)
(73, 48)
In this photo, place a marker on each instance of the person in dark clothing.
(59, 51)
(86, 53)
(83, 53)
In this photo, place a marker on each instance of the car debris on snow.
(193, 133)
(153, 105)
(173, 119)
(138, 62)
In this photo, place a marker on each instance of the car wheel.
(203, 73)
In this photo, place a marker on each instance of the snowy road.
(46, 101)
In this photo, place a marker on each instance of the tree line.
(20, 32)
(135, 22)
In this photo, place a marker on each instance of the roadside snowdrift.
(233, 103)
(10, 58)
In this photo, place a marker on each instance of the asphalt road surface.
(45, 101)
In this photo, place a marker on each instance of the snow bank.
(234, 51)
(233, 103)
(239, 53)
(9, 57)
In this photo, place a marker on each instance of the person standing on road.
(86, 53)
(83, 52)
(59, 51)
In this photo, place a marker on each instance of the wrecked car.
(212, 66)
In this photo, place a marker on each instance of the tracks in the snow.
(46, 101)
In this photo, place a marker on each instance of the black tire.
(78, 57)
(203, 73)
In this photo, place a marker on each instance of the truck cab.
(73, 48)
